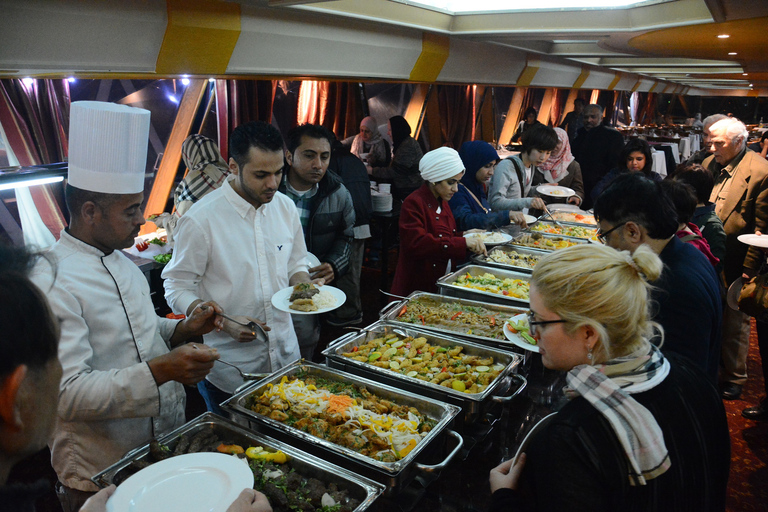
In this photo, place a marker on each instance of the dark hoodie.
(470, 214)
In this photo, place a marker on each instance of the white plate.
(756, 240)
(530, 219)
(194, 482)
(543, 422)
(732, 297)
(567, 208)
(281, 302)
(555, 191)
(516, 339)
(506, 238)
(312, 260)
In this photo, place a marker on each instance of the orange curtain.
(36, 122)
(456, 103)
(337, 106)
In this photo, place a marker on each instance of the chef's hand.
(201, 320)
(518, 218)
(188, 364)
(476, 245)
(322, 271)
(98, 502)
(250, 501)
(504, 476)
(538, 204)
(239, 333)
(574, 200)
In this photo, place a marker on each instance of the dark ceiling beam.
(716, 8)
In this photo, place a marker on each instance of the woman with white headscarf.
(561, 168)
(429, 240)
(368, 145)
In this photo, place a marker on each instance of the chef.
(122, 377)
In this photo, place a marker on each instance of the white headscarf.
(440, 164)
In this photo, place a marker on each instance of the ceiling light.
(28, 81)
(71, 79)
(211, 79)
(732, 53)
(723, 36)
(476, 6)
(745, 74)
(751, 85)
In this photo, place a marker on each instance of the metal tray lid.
(440, 411)
(371, 488)
(509, 360)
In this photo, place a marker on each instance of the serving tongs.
(548, 213)
(256, 329)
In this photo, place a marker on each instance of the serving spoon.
(244, 375)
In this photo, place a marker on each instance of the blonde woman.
(641, 431)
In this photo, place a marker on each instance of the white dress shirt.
(109, 402)
(239, 256)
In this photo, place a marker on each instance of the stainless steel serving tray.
(473, 405)
(394, 475)
(309, 466)
(566, 224)
(514, 243)
(392, 312)
(480, 259)
(447, 285)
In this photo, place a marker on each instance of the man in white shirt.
(238, 246)
(121, 384)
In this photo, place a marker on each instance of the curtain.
(456, 113)
(556, 107)
(35, 119)
(337, 106)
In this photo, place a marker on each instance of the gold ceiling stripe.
(527, 74)
(434, 52)
(616, 80)
(581, 79)
(199, 38)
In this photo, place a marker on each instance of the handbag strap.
(475, 198)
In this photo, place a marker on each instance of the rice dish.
(490, 238)
(324, 299)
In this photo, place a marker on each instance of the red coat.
(427, 241)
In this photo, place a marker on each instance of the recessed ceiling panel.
(486, 6)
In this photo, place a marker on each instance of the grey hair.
(594, 106)
(710, 120)
(731, 128)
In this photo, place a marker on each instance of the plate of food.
(530, 219)
(193, 482)
(555, 191)
(516, 331)
(308, 299)
(490, 237)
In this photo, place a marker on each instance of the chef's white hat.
(107, 147)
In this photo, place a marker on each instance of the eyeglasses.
(602, 236)
(533, 330)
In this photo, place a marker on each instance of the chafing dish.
(360, 488)
(473, 405)
(481, 259)
(447, 285)
(396, 310)
(546, 239)
(394, 475)
(548, 224)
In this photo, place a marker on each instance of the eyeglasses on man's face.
(603, 236)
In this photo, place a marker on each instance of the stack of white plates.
(382, 202)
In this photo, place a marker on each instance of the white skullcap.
(440, 164)
(107, 147)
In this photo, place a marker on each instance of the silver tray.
(309, 466)
(566, 224)
(514, 243)
(394, 475)
(392, 312)
(473, 405)
(447, 285)
(480, 259)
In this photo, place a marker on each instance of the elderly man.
(740, 196)
(122, 377)
(702, 154)
(597, 148)
(326, 211)
(633, 211)
(238, 246)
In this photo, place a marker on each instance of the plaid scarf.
(607, 387)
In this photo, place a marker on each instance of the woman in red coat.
(429, 242)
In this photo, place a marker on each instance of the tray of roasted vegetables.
(487, 284)
(510, 258)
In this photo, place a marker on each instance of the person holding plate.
(238, 246)
(512, 180)
(642, 430)
(561, 169)
(429, 240)
(470, 203)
